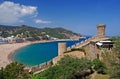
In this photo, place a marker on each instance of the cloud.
(39, 21)
(11, 12)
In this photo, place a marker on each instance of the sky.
(80, 16)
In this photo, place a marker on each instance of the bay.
(36, 54)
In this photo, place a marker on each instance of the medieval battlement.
(101, 30)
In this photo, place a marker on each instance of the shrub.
(67, 68)
(99, 66)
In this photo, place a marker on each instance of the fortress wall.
(40, 67)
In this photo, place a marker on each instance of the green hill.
(28, 31)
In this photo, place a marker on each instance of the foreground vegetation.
(72, 68)
(67, 68)
(13, 71)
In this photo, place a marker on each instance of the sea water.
(36, 54)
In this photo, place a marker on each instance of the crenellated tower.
(101, 30)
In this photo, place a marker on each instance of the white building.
(10, 39)
(3, 40)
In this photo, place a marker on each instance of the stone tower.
(61, 48)
(101, 30)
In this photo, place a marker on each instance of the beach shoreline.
(7, 50)
(11, 53)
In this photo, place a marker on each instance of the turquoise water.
(36, 54)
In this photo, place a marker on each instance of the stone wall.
(39, 67)
(101, 30)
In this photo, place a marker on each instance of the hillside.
(27, 31)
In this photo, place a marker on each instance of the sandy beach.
(6, 50)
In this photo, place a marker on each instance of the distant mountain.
(28, 31)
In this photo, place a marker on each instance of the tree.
(13, 71)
